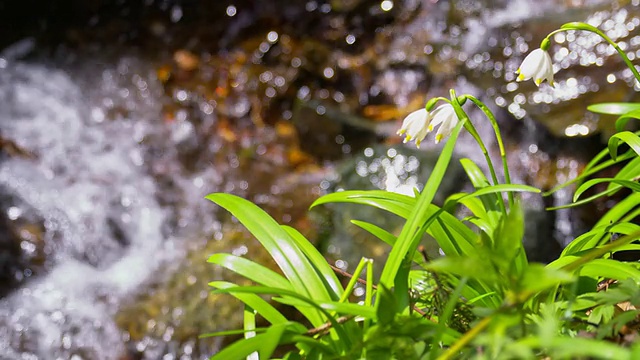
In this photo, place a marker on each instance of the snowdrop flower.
(536, 65)
(445, 116)
(415, 126)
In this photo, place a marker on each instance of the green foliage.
(482, 300)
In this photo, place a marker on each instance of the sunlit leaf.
(282, 248)
(266, 310)
(537, 278)
(614, 108)
(627, 137)
(409, 236)
(318, 262)
(251, 270)
(633, 185)
(471, 267)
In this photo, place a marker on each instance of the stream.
(116, 121)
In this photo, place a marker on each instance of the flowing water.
(105, 162)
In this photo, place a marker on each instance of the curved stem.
(472, 130)
(432, 102)
(496, 130)
(595, 30)
(465, 339)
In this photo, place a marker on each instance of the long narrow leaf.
(631, 171)
(318, 261)
(314, 303)
(282, 248)
(250, 270)
(622, 121)
(633, 185)
(402, 205)
(266, 310)
(628, 137)
(408, 238)
(337, 307)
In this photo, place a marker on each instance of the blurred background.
(117, 118)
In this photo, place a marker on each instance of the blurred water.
(88, 183)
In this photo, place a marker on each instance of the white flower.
(415, 126)
(536, 65)
(445, 116)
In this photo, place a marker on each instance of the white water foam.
(89, 184)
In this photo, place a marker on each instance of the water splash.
(87, 181)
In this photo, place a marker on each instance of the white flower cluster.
(421, 122)
(537, 66)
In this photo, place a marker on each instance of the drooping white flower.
(415, 126)
(536, 65)
(445, 116)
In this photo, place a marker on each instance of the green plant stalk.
(595, 30)
(496, 129)
(600, 251)
(354, 279)
(590, 171)
(472, 130)
(250, 328)
(409, 237)
(466, 338)
(368, 297)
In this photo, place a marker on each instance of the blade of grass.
(266, 310)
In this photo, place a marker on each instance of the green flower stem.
(466, 338)
(409, 237)
(368, 297)
(602, 250)
(354, 278)
(472, 130)
(432, 102)
(595, 30)
(496, 129)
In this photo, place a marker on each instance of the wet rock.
(23, 252)
(328, 133)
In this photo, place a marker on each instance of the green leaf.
(471, 267)
(537, 278)
(573, 348)
(610, 269)
(593, 167)
(633, 185)
(631, 171)
(334, 306)
(385, 306)
(318, 261)
(483, 212)
(614, 108)
(316, 304)
(596, 236)
(239, 350)
(271, 340)
(622, 121)
(282, 248)
(250, 270)
(478, 180)
(613, 327)
(459, 240)
(266, 310)
(383, 235)
(627, 137)
(409, 236)
(507, 241)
